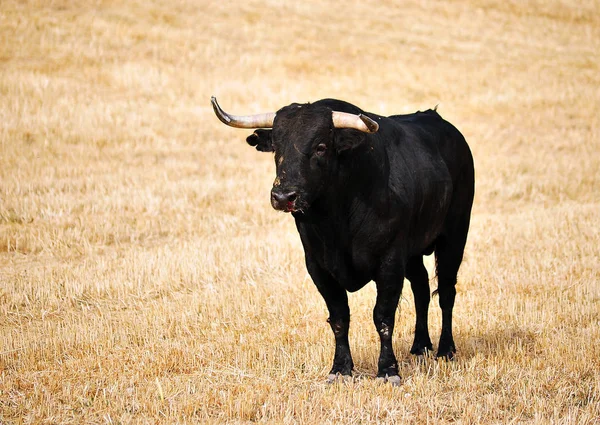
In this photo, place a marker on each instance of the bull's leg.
(449, 254)
(419, 282)
(447, 293)
(449, 251)
(389, 288)
(336, 299)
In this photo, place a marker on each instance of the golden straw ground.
(144, 277)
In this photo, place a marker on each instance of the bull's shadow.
(470, 345)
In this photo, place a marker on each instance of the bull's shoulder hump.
(340, 106)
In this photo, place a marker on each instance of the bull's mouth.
(287, 207)
(290, 207)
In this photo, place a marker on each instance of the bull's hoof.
(333, 378)
(422, 356)
(395, 380)
(419, 350)
(447, 356)
(421, 359)
(446, 349)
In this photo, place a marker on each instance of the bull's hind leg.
(419, 282)
(449, 253)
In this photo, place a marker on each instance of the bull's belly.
(351, 275)
(352, 280)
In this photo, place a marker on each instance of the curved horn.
(359, 122)
(243, 121)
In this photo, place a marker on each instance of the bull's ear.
(261, 139)
(346, 140)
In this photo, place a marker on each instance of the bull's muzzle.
(284, 200)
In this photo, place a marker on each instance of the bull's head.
(305, 146)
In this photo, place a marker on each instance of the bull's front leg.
(336, 299)
(389, 288)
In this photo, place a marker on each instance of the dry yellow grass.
(144, 277)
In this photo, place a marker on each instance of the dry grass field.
(144, 277)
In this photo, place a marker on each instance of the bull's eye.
(321, 149)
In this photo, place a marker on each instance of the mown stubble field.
(144, 277)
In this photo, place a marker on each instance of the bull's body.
(379, 203)
(391, 197)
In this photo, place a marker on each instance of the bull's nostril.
(278, 196)
(291, 197)
(284, 197)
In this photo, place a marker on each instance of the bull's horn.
(243, 121)
(359, 122)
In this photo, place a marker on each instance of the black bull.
(371, 198)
